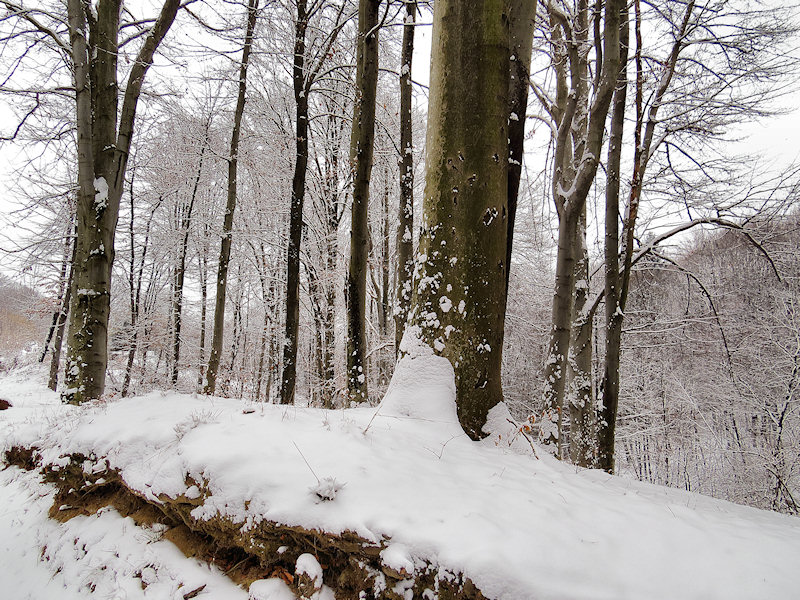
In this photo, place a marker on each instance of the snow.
(308, 564)
(102, 556)
(101, 194)
(519, 526)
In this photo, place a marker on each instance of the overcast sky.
(776, 138)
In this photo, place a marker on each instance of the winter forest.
(399, 299)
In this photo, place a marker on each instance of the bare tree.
(227, 227)
(361, 149)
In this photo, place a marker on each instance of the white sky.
(773, 138)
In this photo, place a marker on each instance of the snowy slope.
(518, 526)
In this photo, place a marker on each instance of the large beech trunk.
(460, 280)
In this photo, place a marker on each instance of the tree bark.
(521, 26)
(103, 149)
(405, 215)
(582, 445)
(289, 374)
(230, 209)
(572, 180)
(361, 150)
(609, 390)
(459, 296)
(55, 358)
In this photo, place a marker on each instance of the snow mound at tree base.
(422, 387)
(517, 527)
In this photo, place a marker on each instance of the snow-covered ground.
(519, 526)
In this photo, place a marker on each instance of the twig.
(308, 465)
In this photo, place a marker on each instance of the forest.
(453, 225)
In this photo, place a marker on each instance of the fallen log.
(350, 565)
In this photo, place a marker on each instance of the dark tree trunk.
(609, 390)
(405, 217)
(230, 209)
(289, 376)
(361, 150)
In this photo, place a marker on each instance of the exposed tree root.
(351, 565)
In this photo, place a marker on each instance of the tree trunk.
(180, 268)
(203, 272)
(521, 26)
(609, 391)
(580, 396)
(459, 296)
(361, 149)
(560, 329)
(62, 309)
(289, 376)
(580, 129)
(385, 358)
(55, 358)
(230, 208)
(102, 159)
(405, 216)
(87, 357)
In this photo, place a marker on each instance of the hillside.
(396, 500)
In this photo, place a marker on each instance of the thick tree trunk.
(459, 296)
(289, 375)
(87, 357)
(361, 150)
(102, 159)
(405, 216)
(230, 208)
